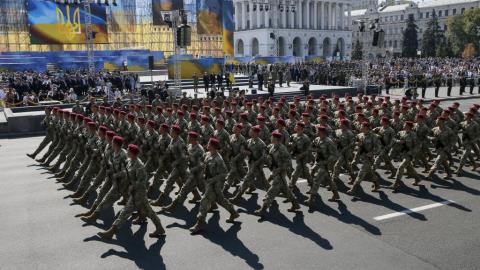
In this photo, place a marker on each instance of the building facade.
(293, 28)
(393, 19)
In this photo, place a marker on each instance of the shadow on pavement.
(135, 248)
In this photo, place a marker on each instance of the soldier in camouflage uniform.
(278, 161)
(176, 151)
(422, 131)
(408, 147)
(300, 149)
(195, 174)
(367, 148)
(326, 153)
(163, 160)
(255, 151)
(470, 130)
(238, 145)
(119, 185)
(64, 132)
(148, 147)
(47, 123)
(134, 171)
(442, 139)
(215, 172)
(345, 140)
(386, 135)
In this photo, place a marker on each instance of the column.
(244, 15)
(237, 17)
(307, 10)
(322, 15)
(300, 14)
(292, 17)
(283, 14)
(315, 15)
(349, 19)
(267, 17)
(259, 17)
(332, 15)
(250, 13)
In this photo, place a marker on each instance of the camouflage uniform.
(470, 130)
(345, 143)
(300, 148)
(367, 147)
(442, 137)
(386, 136)
(237, 163)
(409, 146)
(326, 153)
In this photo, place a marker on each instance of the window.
(440, 13)
(463, 10)
(446, 13)
(396, 17)
(401, 17)
(389, 43)
(385, 44)
(421, 15)
(445, 28)
(411, 16)
(395, 44)
(427, 15)
(454, 11)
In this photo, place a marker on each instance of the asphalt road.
(39, 230)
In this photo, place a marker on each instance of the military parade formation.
(219, 149)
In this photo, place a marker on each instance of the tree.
(469, 51)
(410, 39)
(464, 29)
(444, 48)
(357, 53)
(431, 37)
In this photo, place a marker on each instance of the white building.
(298, 27)
(393, 20)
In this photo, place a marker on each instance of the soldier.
(470, 130)
(278, 160)
(206, 130)
(422, 143)
(222, 135)
(386, 135)
(134, 171)
(326, 153)
(215, 173)
(195, 178)
(300, 149)
(367, 148)
(408, 142)
(160, 151)
(345, 140)
(119, 183)
(78, 108)
(255, 151)
(176, 151)
(238, 145)
(47, 123)
(442, 139)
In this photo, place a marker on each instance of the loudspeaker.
(150, 62)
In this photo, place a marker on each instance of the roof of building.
(421, 4)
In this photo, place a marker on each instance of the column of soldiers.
(138, 156)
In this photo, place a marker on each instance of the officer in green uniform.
(47, 123)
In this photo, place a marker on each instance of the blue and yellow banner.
(210, 17)
(164, 5)
(122, 16)
(56, 23)
(228, 28)
(198, 66)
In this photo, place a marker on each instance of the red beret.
(169, 110)
(111, 134)
(205, 118)
(420, 116)
(276, 134)
(361, 115)
(159, 109)
(103, 129)
(101, 108)
(73, 115)
(256, 128)
(344, 122)
(442, 118)
(164, 126)
(261, 118)
(321, 128)
(149, 107)
(409, 123)
(133, 148)
(229, 113)
(116, 111)
(108, 109)
(118, 140)
(92, 124)
(243, 115)
(292, 112)
(214, 142)
(385, 119)
(456, 104)
(301, 124)
(176, 128)
(123, 113)
(141, 119)
(220, 121)
(193, 115)
(87, 119)
(151, 123)
(193, 134)
(324, 117)
(80, 117)
(396, 113)
(305, 114)
(281, 122)
(217, 109)
(239, 125)
(249, 103)
(131, 116)
(365, 124)
(180, 113)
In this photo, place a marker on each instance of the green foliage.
(431, 37)
(463, 30)
(410, 39)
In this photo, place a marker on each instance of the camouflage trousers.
(65, 153)
(151, 164)
(138, 201)
(383, 156)
(213, 194)
(53, 145)
(255, 171)
(236, 172)
(44, 143)
(423, 154)
(73, 164)
(116, 191)
(159, 175)
(301, 170)
(99, 178)
(467, 154)
(194, 180)
(406, 165)
(441, 160)
(278, 185)
(321, 177)
(366, 170)
(58, 149)
(343, 162)
(87, 177)
(177, 175)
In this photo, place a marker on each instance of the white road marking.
(413, 210)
